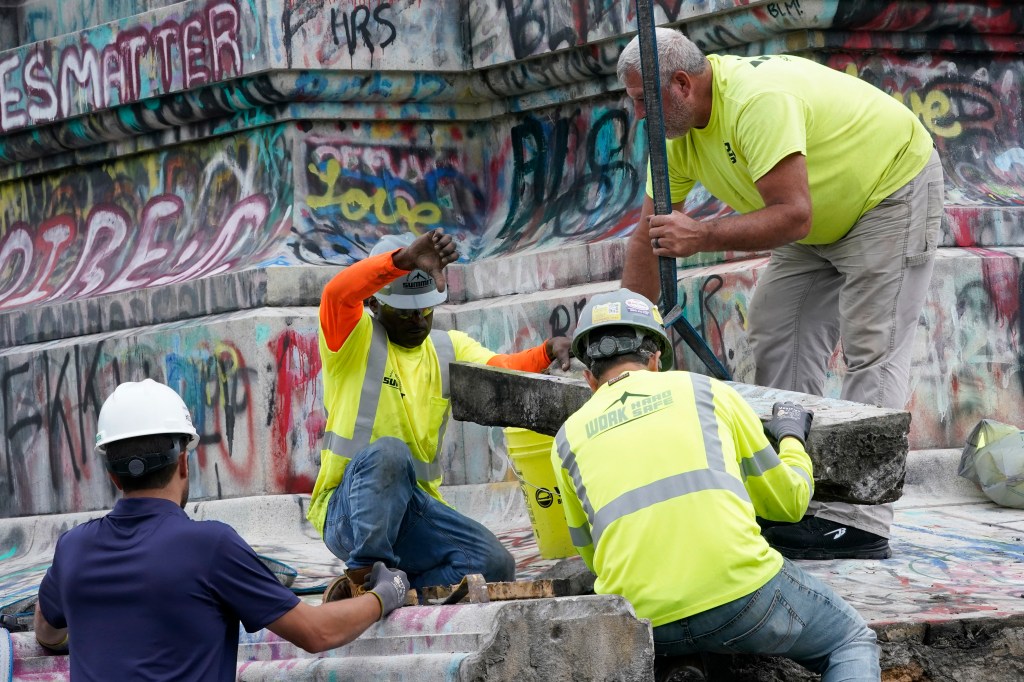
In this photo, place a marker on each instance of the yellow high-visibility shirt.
(661, 476)
(861, 144)
(411, 407)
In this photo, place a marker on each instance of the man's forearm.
(640, 272)
(362, 279)
(534, 359)
(49, 637)
(327, 626)
(767, 228)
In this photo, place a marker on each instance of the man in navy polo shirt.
(148, 593)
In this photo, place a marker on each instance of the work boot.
(348, 585)
(815, 538)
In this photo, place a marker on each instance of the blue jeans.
(378, 513)
(794, 615)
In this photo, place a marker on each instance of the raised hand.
(431, 252)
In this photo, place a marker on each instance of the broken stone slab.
(535, 640)
(859, 452)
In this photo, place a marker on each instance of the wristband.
(59, 647)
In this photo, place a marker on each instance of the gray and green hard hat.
(620, 308)
(412, 291)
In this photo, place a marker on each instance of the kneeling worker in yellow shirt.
(662, 476)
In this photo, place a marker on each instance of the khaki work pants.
(866, 290)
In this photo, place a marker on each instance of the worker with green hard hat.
(662, 476)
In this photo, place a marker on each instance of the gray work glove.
(789, 419)
(388, 585)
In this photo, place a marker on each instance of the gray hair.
(675, 53)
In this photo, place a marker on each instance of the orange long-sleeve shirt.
(341, 307)
(411, 406)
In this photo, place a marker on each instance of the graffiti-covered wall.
(973, 107)
(175, 215)
(251, 381)
(103, 66)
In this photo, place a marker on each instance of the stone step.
(859, 451)
(585, 638)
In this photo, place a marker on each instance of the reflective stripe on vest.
(760, 462)
(704, 398)
(714, 477)
(664, 490)
(580, 536)
(568, 458)
(369, 400)
(767, 459)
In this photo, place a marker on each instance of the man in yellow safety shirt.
(662, 476)
(385, 374)
(843, 184)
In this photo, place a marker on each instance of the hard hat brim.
(428, 299)
(101, 446)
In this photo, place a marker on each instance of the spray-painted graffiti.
(537, 26)
(357, 192)
(344, 27)
(973, 109)
(297, 359)
(95, 70)
(377, 33)
(251, 383)
(186, 213)
(965, 17)
(968, 359)
(575, 177)
(363, 27)
(562, 68)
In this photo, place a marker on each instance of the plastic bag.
(994, 459)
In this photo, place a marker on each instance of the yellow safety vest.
(661, 476)
(374, 389)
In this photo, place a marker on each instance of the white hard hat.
(409, 292)
(143, 408)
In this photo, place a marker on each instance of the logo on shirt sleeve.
(730, 152)
(393, 381)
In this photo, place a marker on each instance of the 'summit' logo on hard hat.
(417, 280)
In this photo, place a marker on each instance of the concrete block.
(297, 285)
(859, 452)
(136, 308)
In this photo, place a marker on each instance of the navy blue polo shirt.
(149, 594)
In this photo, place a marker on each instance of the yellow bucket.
(530, 453)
